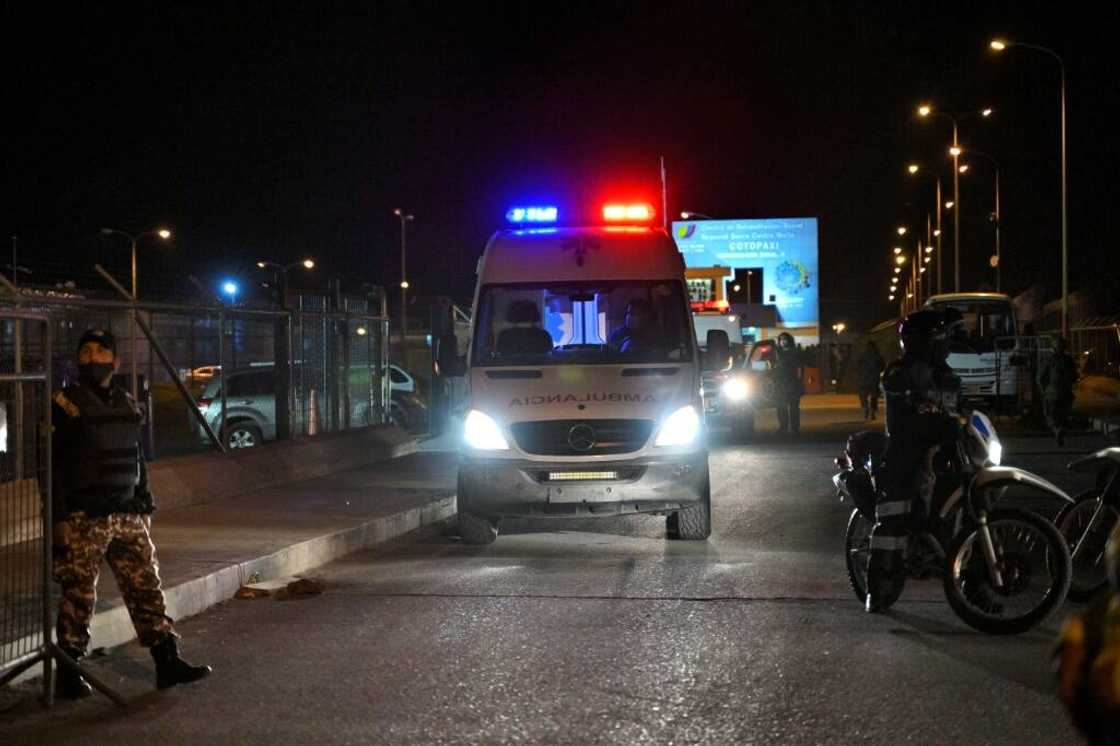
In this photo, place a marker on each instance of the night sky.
(278, 131)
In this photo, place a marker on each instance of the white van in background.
(584, 378)
(983, 354)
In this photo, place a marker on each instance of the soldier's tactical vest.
(108, 458)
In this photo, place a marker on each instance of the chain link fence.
(256, 375)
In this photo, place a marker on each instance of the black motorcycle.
(1003, 569)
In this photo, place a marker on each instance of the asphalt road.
(600, 631)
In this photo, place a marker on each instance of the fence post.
(282, 358)
(346, 404)
(222, 372)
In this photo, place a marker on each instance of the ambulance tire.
(743, 428)
(476, 530)
(693, 523)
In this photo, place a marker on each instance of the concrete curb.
(112, 627)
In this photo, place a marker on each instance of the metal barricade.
(24, 488)
(26, 609)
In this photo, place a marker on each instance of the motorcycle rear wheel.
(1026, 545)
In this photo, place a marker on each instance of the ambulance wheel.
(474, 529)
(693, 523)
(743, 428)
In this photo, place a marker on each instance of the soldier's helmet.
(926, 332)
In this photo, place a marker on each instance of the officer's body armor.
(106, 463)
(920, 397)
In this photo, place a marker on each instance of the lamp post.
(404, 218)
(280, 272)
(998, 215)
(914, 168)
(134, 239)
(926, 111)
(999, 45)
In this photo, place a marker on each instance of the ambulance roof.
(576, 254)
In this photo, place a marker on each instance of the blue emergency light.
(535, 214)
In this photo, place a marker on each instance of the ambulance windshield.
(585, 323)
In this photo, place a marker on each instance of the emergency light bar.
(536, 214)
(627, 213)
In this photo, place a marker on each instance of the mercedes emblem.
(581, 438)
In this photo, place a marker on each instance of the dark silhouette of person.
(789, 378)
(870, 369)
(1056, 380)
(639, 332)
(525, 337)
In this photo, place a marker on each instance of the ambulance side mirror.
(448, 362)
(719, 350)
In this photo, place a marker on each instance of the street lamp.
(230, 288)
(925, 111)
(897, 250)
(280, 271)
(999, 45)
(964, 168)
(949, 205)
(996, 215)
(134, 239)
(901, 230)
(914, 168)
(405, 218)
(690, 214)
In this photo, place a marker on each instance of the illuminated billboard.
(782, 250)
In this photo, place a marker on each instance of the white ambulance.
(584, 377)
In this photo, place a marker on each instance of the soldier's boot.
(171, 669)
(69, 684)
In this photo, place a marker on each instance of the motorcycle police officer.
(102, 510)
(1088, 655)
(920, 390)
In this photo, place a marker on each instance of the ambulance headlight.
(682, 428)
(482, 433)
(735, 389)
(995, 452)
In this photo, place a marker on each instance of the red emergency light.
(710, 306)
(627, 213)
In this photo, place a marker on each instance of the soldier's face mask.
(95, 372)
(95, 363)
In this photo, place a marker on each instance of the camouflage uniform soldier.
(102, 510)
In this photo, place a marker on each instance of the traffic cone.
(313, 412)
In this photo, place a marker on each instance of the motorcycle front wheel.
(1035, 567)
(1088, 539)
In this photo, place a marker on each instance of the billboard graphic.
(784, 249)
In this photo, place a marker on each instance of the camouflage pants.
(122, 540)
